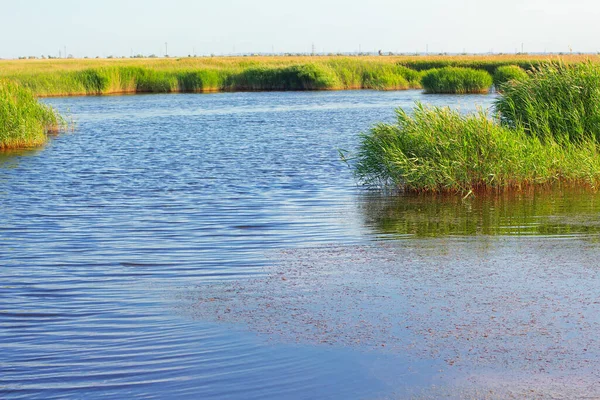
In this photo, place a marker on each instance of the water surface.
(115, 237)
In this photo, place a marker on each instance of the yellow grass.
(12, 67)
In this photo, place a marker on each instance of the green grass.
(207, 74)
(507, 73)
(335, 75)
(456, 80)
(559, 102)
(441, 150)
(24, 122)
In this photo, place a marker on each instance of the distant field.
(12, 67)
(64, 77)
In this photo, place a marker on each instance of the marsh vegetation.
(206, 74)
(24, 122)
(543, 130)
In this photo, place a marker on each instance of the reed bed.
(311, 76)
(206, 74)
(441, 150)
(24, 122)
(558, 102)
(507, 73)
(456, 80)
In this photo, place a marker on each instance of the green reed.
(24, 122)
(456, 80)
(507, 73)
(441, 150)
(336, 74)
(559, 102)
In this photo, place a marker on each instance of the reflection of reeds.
(552, 211)
(24, 122)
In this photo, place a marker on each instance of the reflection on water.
(10, 158)
(558, 211)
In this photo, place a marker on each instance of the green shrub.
(456, 80)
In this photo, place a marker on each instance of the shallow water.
(120, 240)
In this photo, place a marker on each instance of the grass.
(456, 80)
(441, 150)
(507, 73)
(340, 74)
(559, 102)
(24, 122)
(206, 74)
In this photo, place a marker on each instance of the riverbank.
(76, 77)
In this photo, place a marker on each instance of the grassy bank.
(545, 131)
(334, 74)
(24, 122)
(206, 74)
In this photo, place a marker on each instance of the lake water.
(215, 246)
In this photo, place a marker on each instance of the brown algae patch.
(517, 315)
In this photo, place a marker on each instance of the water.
(112, 235)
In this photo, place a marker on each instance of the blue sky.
(110, 27)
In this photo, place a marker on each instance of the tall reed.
(558, 102)
(456, 80)
(24, 122)
(507, 73)
(441, 150)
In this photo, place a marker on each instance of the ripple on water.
(107, 231)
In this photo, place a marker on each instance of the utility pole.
(522, 52)
(166, 49)
(313, 49)
(427, 49)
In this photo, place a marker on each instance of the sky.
(221, 27)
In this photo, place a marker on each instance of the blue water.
(150, 195)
